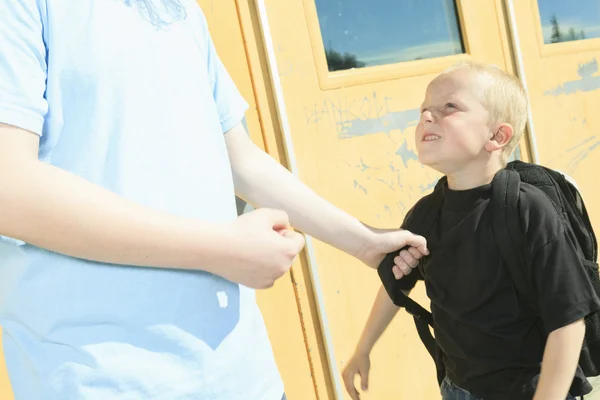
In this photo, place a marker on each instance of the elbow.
(18, 168)
(15, 180)
(250, 171)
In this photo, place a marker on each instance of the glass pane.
(564, 21)
(360, 33)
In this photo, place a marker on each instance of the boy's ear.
(502, 135)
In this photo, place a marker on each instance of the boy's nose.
(427, 116)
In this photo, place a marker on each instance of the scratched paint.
(575, 155)
(343, 111)
(581, 155)
(359, 187)
(363, 167)
(387, 209)
(401, 206)
(388, 184)
(398, 120)
(406, 154)
(587, 83)
(428, 187)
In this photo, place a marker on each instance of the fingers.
(415, 253)
(400, 264)
(348, 377)
(404, 264)
(296, 239)
(397, 272)
(278, 219)
(364, 380)
(408, 259)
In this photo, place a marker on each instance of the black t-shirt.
(493, 344)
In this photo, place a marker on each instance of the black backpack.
(512, 244)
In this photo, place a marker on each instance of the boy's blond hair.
(504, 97)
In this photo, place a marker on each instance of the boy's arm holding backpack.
(563, 289)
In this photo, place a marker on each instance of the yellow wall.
(5, 390)
(564, 89)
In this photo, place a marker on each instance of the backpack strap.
(510, 238)
(566, 199)
(420, 221)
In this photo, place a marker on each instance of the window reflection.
(359, 33)
(565, 21)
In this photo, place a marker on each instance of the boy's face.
(454, 125)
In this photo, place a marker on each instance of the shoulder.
(23, 64)
(413, 218)
(539, 217)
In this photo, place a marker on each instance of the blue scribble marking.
(387, 209)
(406, 154)
(428, 187)
(399, 120)
(363, 167)
(401, 206)
(587, 83)
(578, 153)
(386, 183)
(360, 187)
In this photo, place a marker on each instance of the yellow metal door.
(5, 390)
(560, 50)
(352, 76)
(235, 28)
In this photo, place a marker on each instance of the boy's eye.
(451, 105)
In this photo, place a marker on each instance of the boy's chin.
(433, 163)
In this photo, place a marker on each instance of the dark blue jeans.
(452, 392)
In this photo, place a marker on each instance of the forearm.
(51, 208)
(381, 315)
(560, 362)
(308, 212)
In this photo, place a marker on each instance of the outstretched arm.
(263, 182)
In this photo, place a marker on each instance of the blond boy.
(493, 347)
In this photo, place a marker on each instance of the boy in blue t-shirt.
(125, 272)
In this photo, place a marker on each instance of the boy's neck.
(472, 176)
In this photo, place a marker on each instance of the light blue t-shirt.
(130, 95)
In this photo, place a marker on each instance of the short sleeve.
(562, 284)
(230, 103)
(23, 64)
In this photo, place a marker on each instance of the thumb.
(364, 379)
(296, 239)
(403, 238)
(277, 219)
